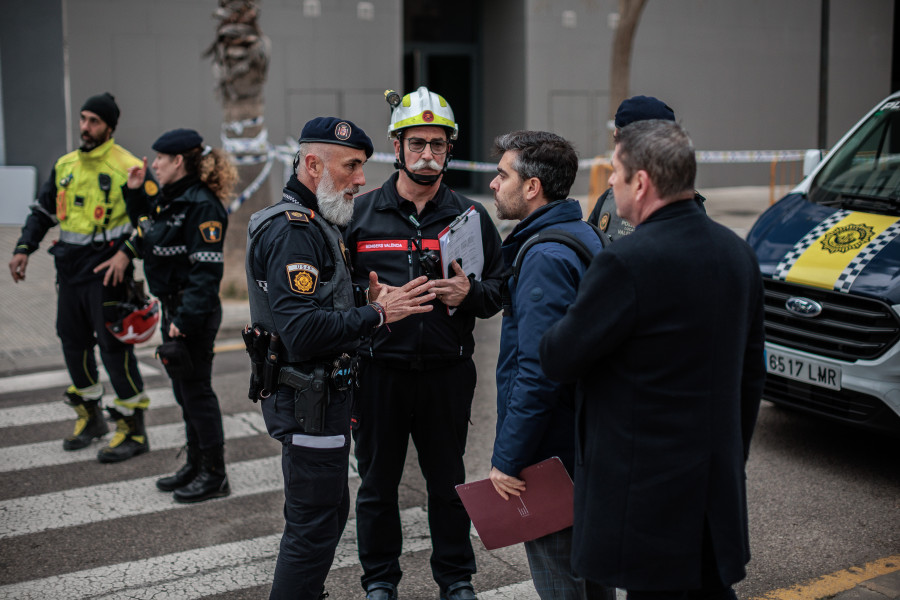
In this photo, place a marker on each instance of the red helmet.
(136, 324)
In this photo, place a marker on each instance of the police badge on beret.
(342, 131)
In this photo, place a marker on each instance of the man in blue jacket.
(535, 415)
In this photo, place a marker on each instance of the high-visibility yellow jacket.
(84, 196)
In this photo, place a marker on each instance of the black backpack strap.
(559, 236)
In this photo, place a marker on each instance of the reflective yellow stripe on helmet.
(418, 120)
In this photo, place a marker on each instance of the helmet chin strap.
(415, 177)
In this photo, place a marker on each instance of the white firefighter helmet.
(420, 108)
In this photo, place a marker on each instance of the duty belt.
(342, 372)
(414, 364)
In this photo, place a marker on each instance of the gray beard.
(332, 204)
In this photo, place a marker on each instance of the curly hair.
(214, 169)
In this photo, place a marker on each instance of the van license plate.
(800, 368)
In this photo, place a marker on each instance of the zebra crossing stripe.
(50, 412)
(162, 437)
(56, 378)
(201, 572)
(219, 569)
(522, 591)
(93, 504)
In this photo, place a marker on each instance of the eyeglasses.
(437, 146)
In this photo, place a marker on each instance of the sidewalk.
(28, 309)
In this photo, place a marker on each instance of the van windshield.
(864, 173)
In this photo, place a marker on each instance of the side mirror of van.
(811, 160)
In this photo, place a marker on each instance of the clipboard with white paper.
(461, 241)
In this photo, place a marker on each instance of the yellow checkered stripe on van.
(837, 250)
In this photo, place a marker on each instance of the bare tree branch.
(623, 43)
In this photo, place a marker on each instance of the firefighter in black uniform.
(84, 197)
(180, 236)
(305, 312)
(419, 379)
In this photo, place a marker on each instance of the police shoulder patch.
(604, 222)
(295, 216)
(302, 278)
(150, 187)
(211, 231)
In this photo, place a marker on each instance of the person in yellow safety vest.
(84, 197)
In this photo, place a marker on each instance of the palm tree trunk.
(240, 56)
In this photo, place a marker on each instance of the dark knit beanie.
(104, 106)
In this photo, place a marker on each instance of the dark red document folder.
(545, 507)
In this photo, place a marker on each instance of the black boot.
(211, 480)
(129, 440)
(90, 423)
(185, 474)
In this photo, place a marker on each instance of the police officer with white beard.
(305, 314)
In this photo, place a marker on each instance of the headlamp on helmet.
(420, 108)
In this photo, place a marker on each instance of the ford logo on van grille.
(803, 307)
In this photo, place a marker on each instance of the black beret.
(642, 108)
(331, 130)
(177, 141)
(104, 106)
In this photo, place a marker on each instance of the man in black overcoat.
(665, 339)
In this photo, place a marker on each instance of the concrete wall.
(151, 59)
(34, 114)
(504, 73)
(740, 75)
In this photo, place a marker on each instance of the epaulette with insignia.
(295, 216)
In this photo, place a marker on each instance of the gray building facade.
(740, 75)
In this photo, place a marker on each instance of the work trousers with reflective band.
(433, 407)
(81, 325)
(316, 492)
(194, 393)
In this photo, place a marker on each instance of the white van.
(829, 252)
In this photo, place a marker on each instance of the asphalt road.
(822, 498)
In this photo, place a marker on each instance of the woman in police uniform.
(180, 234)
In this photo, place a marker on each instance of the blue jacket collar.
(550, 214)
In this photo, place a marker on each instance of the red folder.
(545, 507)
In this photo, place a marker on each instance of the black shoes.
(185, 474)
(210, 481)
(90, 424)
(129, 440)
(461, 590)
(381, 590)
